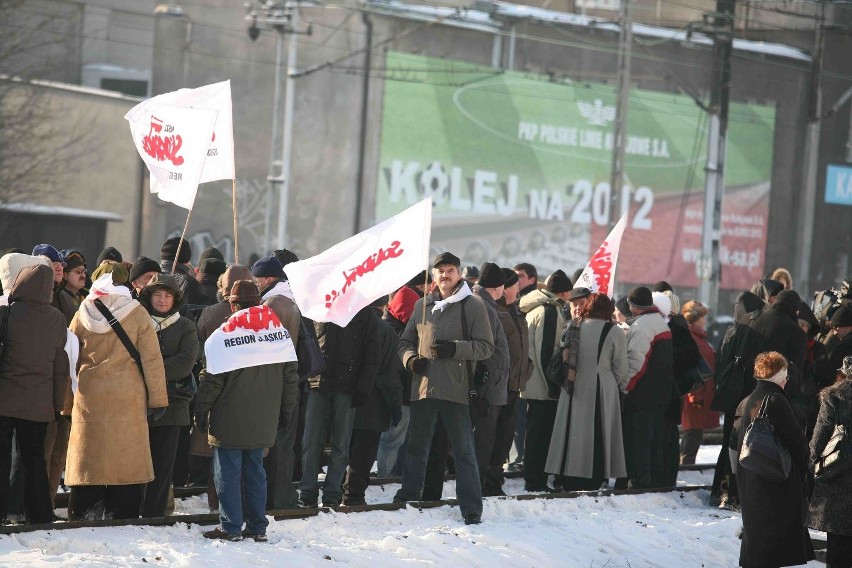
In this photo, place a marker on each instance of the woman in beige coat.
(109, 459)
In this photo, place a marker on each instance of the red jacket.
(696, 405)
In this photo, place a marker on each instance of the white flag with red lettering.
(599, 274)
(218, 157)
(251, 337)
(336, 284)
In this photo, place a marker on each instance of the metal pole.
(811, 169)
(365, 107)
(619, 139)
(287, 144)
(274, 177)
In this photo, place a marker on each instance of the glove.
(200, 420)
(156, 413)
(396, 416)
(480, 374)
(443, 349)
(568, 387)
(358, 399)
(419, 365)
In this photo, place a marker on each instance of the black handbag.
(308, 353)
(182, 389)
(762, 452)
(4, 324)
(836, 457)
(556, 372)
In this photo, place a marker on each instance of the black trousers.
(164, 444)
(300, 431)
(541, 415)
(363, 448)
(504, 436)
(724, 478)
(436, 465)
(484, 420)
(96, 502)
(839, 551)
(180, 474)
(30, 442)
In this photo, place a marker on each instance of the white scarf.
(459, 295)
(161, 323)
(281, 288)
(778, 377)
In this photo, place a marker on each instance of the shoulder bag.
(762, 452)
(478, 375)
(308, 353)
(122, 335)
(4, 324)
(836, 457)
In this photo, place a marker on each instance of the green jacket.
(244, 404)
(179, 347)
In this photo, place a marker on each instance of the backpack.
(308, 352)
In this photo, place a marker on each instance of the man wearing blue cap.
(60, 300)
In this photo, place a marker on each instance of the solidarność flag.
(599, 274)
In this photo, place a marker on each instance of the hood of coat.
(33, 284)
(747, 302)
(401, 305)
(166, 282)
(232, 274)
(538, 298)
(805, 313)
(94, 321)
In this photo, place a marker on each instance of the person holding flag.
(247, 361)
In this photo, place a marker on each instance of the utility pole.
(287, 142)
(811, 169)
(619, 140)
(709, 268)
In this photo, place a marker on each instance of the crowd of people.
(105, 381)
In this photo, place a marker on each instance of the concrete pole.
(287, 143)
(274, 177)
(619, 140)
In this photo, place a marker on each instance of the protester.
(806, 399)
(825, 367)
(141, 272)
(109, 456)
(778, 329)
(545, 315)
(577, 299)
(831, 501)
(587, 447)
(382, 410)
(649, 390)
(35, 374)
(74, 276)
(527, 282)
(773, 512)
(470, 274)
(441, 352)
(60, 301)
(175, 255)
(697, 415)
(527, 278)
(178, 340)
(109, 253)
(209, 272)
(241, 411)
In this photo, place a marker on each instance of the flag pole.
(236, 234)
(180, 242)
(423, 316)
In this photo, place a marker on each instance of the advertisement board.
(519, 166)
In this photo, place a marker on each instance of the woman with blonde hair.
(774, 531)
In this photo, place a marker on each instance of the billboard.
(518, 166)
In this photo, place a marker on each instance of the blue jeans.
(236, 472)
(326, 410)
(456, 418)
(390, 444)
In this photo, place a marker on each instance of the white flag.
(599, 274)
(251, 337)
(336, 284)
(173, 142)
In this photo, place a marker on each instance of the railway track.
(292, 514)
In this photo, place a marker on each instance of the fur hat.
(640, 298)
(170, 247)
(244, 292)
(662, 303)
(846, 368)
(11, 265)
(491, 276)
(143, 265)
(72, 259)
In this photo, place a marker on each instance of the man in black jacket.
(778, 330)
(351, 362)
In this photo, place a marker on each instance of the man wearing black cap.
(74, 275)
(142, 271)
(275, 292)
(442, 350)
(176, 251)
(825, 367)
(577, 298)
(545, 317)
(471, 274)
(649, 390)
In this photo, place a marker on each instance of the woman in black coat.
(831, 503)
(774, 532)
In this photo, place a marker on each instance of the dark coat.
(351, 354)
(825, 367)
(649, 356)
(831, 502)
(375, 414)
(211, 318)
(495, 388)
(209, 288)
(404, 374)
(179, 347)
(34, 367)
(518, 337)
(62, 301)
(774, 532)
(779, 331)
(189, 285)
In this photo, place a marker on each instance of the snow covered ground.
(655, 530)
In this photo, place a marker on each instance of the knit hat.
(119, 273)
(72, 259)
(244, 292)
(579, 293)
(674, 300)
(624, 307)
(211, 252)
(143, 265)
(842, 316)
(491, 276)
(11, 265)
(511, 277)
(446, 258)
(662, 286)
(285, 256)
(470, 273)
(169, 250)
(268, 266)
(558, 282)
(47, 250)
(640, 297)
(662, 303)
(212, 267)
(109, 253)
(846, 368)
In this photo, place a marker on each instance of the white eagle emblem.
(596, 113)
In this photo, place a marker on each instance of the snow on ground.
(654, 530)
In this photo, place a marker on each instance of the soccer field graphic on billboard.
(519, 169)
